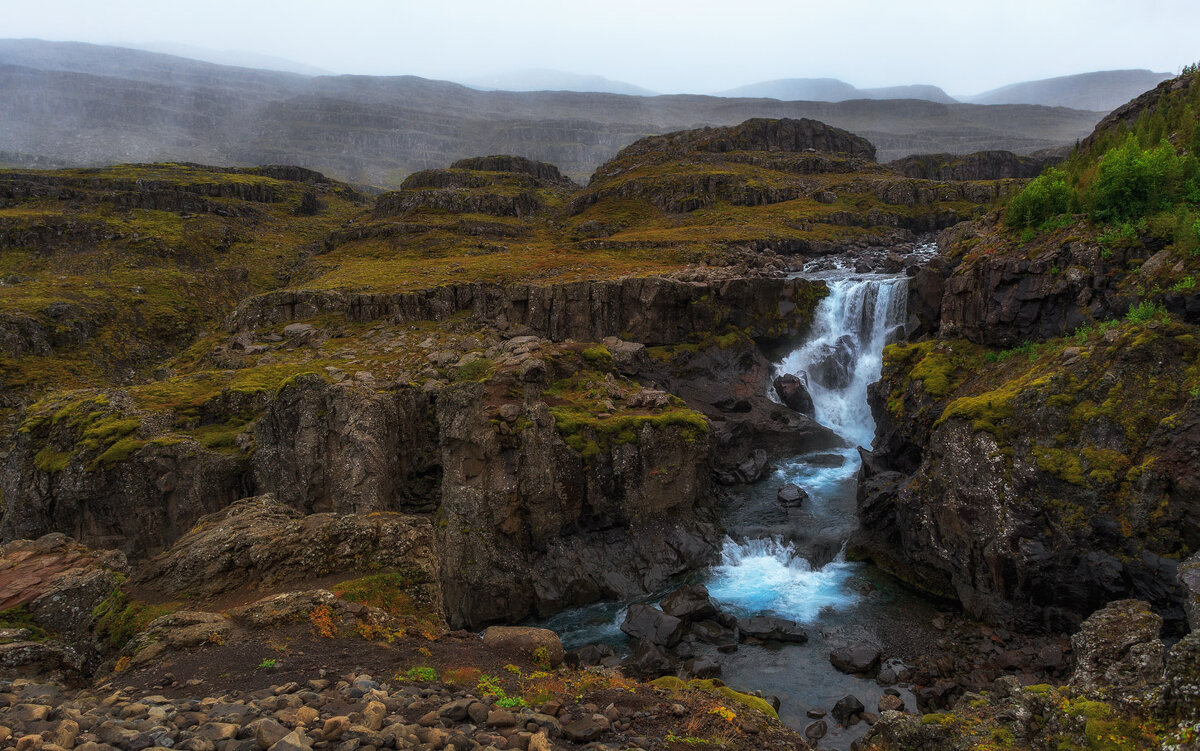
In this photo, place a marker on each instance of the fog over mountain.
(1102, 90)
(73, 103)
(542, 79)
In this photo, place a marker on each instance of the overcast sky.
(698, 46)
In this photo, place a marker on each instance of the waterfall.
(844, 354)
(841, 357)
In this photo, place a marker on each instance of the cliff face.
(1030, 453)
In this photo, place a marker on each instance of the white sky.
(964, 46)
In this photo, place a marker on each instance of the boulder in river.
(652, 625)
(860, 659)
(770, 628)
(793, 391)
(690, 603)
(791, 495)
(847, 710)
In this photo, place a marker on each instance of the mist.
(702, 46)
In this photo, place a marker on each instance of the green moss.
(120, 450)
(675, 686)
(20, 617)
(119, 619)
(399, 594)
(598, 357)
(51, 460)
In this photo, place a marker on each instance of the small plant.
(268, 663)
(321, 618)
(489, 685)
(420, 674)
(724, 713)
(424, 651)
(541, 658)
(512, 669)
(508, 702)
(1145, 312)
(1186, 284)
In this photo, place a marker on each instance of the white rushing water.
(842, 356)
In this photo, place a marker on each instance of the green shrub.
(1044, 198)
(1146, 311)
(1132, 182)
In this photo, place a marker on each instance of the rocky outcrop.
(323, 447)
(59, 584)
(531, 526)
(261, 543)
(1118, 654)
(458, 201)
(649, 310)
(139, 505)
(758, 134)
(982, 165)
(542, 171)
(1025, 472)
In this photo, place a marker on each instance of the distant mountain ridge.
(544, 79)
(833, 90)
(82, 104)
(1100, 91)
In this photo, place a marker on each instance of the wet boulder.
(771, 628)
(793, 392)
(858, 659)
(847, 710)
(791, 495)
(723, 638)
(702, 667)
(652, 625)
(648, 661)
(834, 368)
(690, 603)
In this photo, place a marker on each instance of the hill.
(833, 90)
(1100, 91)
(77, 104)
(542, 79)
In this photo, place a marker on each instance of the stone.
(583, 730)
(701, 667)
(791, 495)
(1118, 651)
(690, 603)
(771, 628)
(651, 625)
(890, 703)
(792, 390)
(835, 363)
(534, 643)
(847, 710)
(815, 731)
(1189, 580)
(648, 661)
(753, 468)
(501, 718)
(373, 714)
(862, 659)
(587, 655)
(293, 741)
